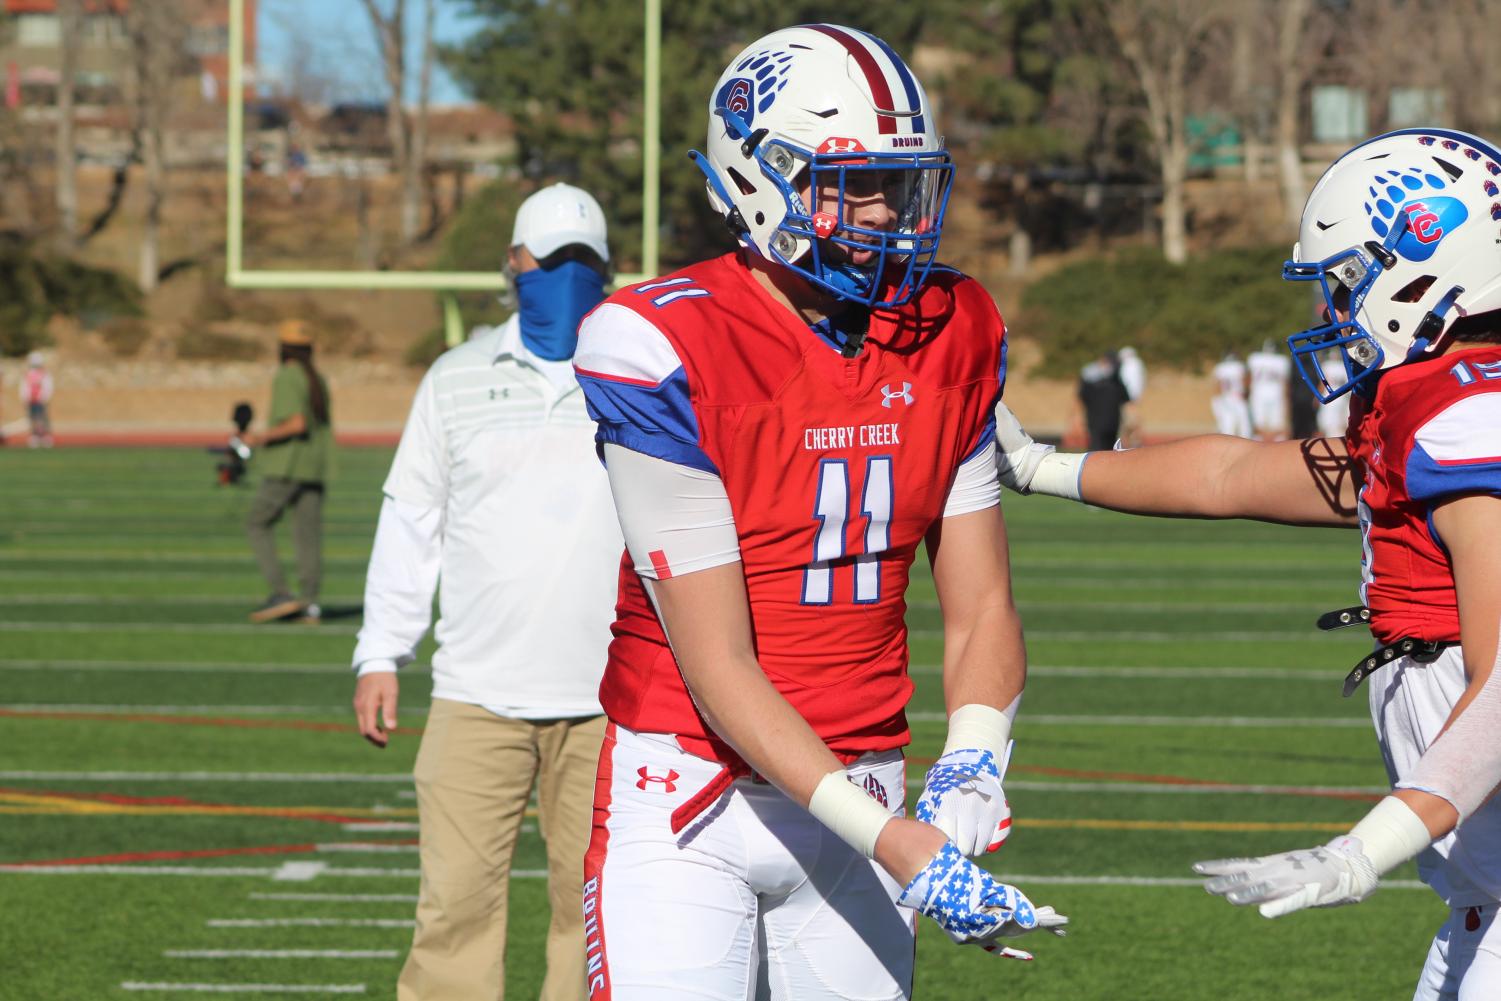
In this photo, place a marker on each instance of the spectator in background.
(1333, 417)
(1102, 395)
(1229, 403)
(1269, 375)
(296, 171)
(1134, 377)
(496, 491)
(36, 393)
(293, 456)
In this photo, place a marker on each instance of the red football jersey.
(835, 468)
(1431, 431)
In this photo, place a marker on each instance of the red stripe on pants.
(597, 967)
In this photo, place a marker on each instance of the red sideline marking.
(169, 856)
(229, 721)
(208, 808)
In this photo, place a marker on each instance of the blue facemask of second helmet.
(552, 303)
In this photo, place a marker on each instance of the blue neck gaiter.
(552, 303)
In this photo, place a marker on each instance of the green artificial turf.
(146, 726)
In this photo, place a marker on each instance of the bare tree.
(407, 133)
(157, 32)
(1292, 69)
(70, 23)
(1164, 42)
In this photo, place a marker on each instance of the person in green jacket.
(292, 456)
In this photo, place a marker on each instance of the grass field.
(183, 800)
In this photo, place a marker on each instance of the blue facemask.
(553, 301)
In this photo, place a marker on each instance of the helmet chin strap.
(1428, 338)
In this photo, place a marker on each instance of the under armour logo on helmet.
(668, 782)
(905, 395)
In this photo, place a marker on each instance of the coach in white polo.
(496, 490)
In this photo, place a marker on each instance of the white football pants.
(752, 900)
(1409, 705)
(1231, 416)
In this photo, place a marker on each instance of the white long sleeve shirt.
(496, 490)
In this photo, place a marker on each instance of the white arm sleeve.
(976, 486)
(1463, 765)
(399, 586)
(675, 519)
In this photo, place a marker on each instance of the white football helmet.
(807, 108)
(1403, 233)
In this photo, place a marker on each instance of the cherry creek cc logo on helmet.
(1429, 216)
(736, 96)
(657, 783)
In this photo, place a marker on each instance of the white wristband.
(849, 812)
(1391, 834)
(1058, 474)
(981, 727)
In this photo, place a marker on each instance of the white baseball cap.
(557, 216)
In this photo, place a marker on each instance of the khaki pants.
(475, 771)
(305, 500)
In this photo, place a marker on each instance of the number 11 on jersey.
(831, 510)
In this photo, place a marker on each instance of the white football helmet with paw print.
(811, 107)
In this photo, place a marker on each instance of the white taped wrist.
(1058, 474)
(849, 812)
(1391, 834)
(981, 727)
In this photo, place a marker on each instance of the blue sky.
(325, 49)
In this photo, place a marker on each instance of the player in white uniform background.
(1229, 401)
(1334, 416)
(1269, 372)
(1401, 234)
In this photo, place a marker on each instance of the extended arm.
(1307, 482)
(1456, 774)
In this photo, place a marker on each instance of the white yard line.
(280, 953)
(194, 628)
(365, 848)
(198, 667)
(310, 923)
(372, 827)
(1267, 722)
(136, 985)
(341, 898)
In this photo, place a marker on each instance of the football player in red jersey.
(783, 427)
(1402, 233)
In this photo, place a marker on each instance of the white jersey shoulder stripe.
(1468, 430)
(616, 342)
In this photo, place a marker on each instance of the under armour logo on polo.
(876, 790)
(668, 782)
(888, 395)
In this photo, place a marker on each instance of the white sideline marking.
(310, 923)
(233, 628)
(136, 985)
(367, 847)
(1225, 788)
(371, 827)
(1268, 722)
(51, 776)
(299, 872)
(1158, 636)
(183, 667)
(347, 898)
(280, 953)
(1173, 673)
(1022, 880)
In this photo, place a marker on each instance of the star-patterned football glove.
(962, 797)
(1338, 873)
(973, 907)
